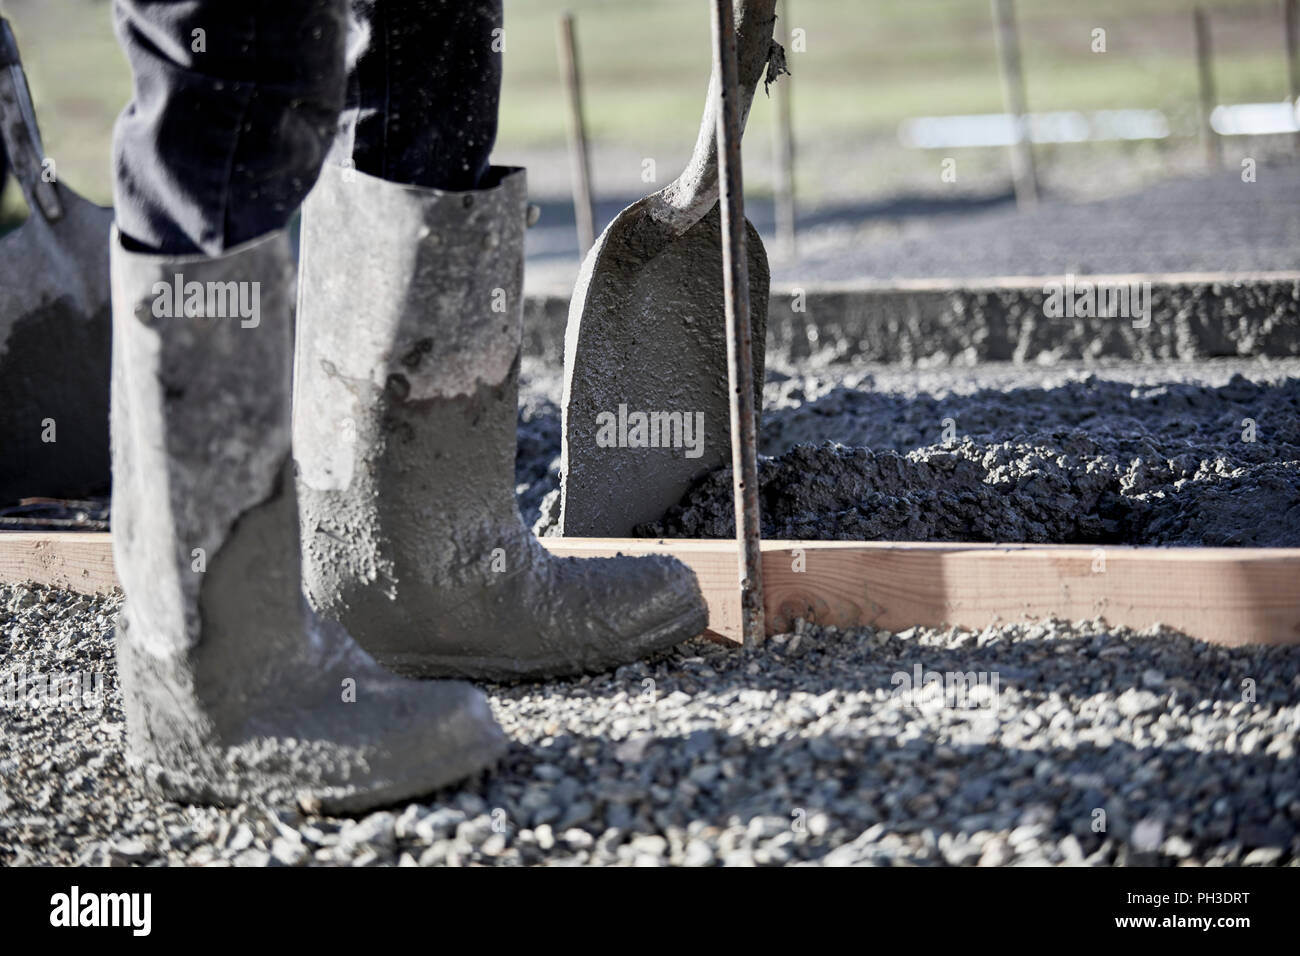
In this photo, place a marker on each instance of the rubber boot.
(406, 407)
(232, 689)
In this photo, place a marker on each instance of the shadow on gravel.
(897, 207)
(1040, 663)
(853, 790)
(805, 751)
(1146, 737)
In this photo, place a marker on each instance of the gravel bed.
(1122, 222)
(1088, 746)
(1212, 222)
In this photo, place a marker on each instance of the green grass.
(868, 65)
(79, 81)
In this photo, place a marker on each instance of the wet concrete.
(1137, 453)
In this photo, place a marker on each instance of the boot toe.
(417, 738)
(634, 607)
(664, 608)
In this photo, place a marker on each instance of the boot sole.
(685, 626)
(169, 784)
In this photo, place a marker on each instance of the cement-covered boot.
(405, 414)
(233, 690)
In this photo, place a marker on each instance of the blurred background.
(861, 72)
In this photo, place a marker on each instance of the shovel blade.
(54, 354)
(646, 403)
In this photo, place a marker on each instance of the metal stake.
(579, 162)
(783, 142)
(1013, 97)
(1205, 78)
(740, 367)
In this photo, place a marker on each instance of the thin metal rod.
(783, 143)
(740, 366)
(579, 159)
(1291, 17)
(1013, 98)
(1205, 75)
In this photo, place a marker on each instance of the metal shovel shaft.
(740, 369)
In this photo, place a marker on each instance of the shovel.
(54, 318)
(646, 411)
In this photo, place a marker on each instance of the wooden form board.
(1228, 596)
(74, 561)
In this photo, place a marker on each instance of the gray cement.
(231, 689)
(965, 322)
(1221, 221)
(1118, 208)
(404, 433)
(1183, 454)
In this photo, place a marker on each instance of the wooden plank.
(74, 561)
(1229, 596)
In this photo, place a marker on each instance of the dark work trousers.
(238, 103)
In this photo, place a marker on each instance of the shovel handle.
(684, 202)
(21, 135)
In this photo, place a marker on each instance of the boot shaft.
(410, 321)
(410, 324)
(200, 421)
(415, 294)
(232, 690)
